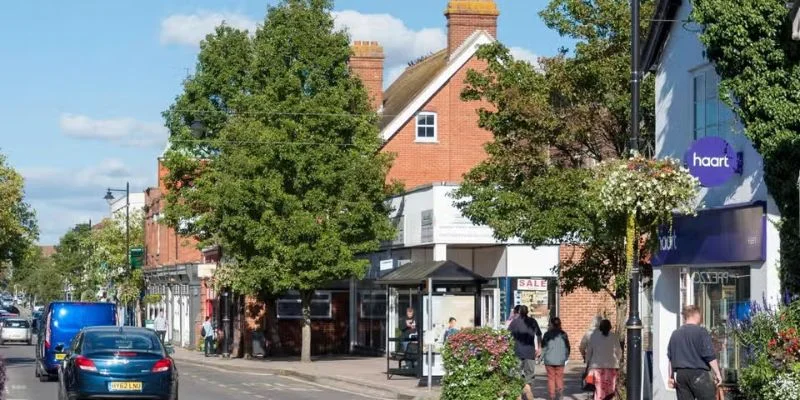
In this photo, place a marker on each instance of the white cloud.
(523, 54)
(65, 197)
(190, 29)
(126, 131)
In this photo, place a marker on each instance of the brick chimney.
(467, 16)
(366, 61)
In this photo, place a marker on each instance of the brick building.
(175, 269)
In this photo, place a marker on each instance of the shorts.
(528, 370)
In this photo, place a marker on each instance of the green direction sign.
(137, 257)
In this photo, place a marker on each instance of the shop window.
(722, 294)
(290, 306)
(711, 117)
(373, 305)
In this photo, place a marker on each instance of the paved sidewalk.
(365, 375)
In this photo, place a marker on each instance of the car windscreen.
(116, 341)
(15, 323)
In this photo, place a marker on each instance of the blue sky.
(85, 82)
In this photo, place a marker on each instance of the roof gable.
(410, 83)
(426, 87)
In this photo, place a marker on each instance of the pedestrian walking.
(207, 332)
(603, 355)
(582, 348)
(555, 353)
(527, 346)
(161, 326)
(692, 359)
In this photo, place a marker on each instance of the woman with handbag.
(603, 355)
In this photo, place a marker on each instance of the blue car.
(117, 362)
(61, 321)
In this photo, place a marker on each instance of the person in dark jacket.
(527, 346)
(692, 359)
(555, 353)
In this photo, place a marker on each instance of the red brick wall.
(328, 336)
(367, 63)
(163, 246)
(461, 26)
(460, 143)
(579, 307)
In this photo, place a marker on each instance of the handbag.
(587, 379)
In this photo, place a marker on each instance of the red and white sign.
(531, 284)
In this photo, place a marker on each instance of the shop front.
(717, 261)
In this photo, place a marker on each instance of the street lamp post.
(634, 323)
(226, 324)
(110, 197)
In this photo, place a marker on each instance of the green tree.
(286, 175)
(550, 123)
(109, 251)
(73, 252)
(18, 229)
(39, 276)
(759, 64)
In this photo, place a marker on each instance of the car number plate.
(60, 356)
(125, 386)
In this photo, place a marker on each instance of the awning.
(415, 273)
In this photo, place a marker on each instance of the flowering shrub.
(772, 344)
(480, 364)
(650, 189)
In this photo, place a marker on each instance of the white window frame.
(725, 119)
(294, 298)
(417, 126)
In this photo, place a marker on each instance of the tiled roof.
(410, 83)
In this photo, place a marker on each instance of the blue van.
(61, 321)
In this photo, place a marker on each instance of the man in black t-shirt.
(527, 346)
(691, 356)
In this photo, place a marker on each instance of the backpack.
(203, 331)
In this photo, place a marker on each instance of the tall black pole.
(634, 324)
(226, 324)
(128, 226)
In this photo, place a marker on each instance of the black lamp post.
(109, 197)
(226, 324)
(634, 323)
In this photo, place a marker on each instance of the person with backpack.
(207, 332)
(555, 353)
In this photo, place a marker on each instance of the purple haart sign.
(712, 160)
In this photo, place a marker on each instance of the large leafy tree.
(39, 276)
(550, 123)
(73, 255)
(108, 255)
(18, 228)
(760, 67)
(286, 174)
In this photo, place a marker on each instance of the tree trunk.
(236, 351)
(275, 347)
(305, 353)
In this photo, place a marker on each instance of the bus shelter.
(423, 298)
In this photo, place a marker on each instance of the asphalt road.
(196, 382)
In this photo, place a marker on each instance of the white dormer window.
(426, 127)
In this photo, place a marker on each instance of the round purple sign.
(712, 160)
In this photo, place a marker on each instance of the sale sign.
(531, 284)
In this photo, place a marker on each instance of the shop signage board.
(713, 161)
(532, 284)
(715, 236)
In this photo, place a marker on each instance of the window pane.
(420, 131)
(712, 83)
(699, 116)
(431, 119)
(430, 131)
(713, 130)
(420, 119)
(711, 112)
(698, 88)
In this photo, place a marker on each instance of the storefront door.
(490, 308)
